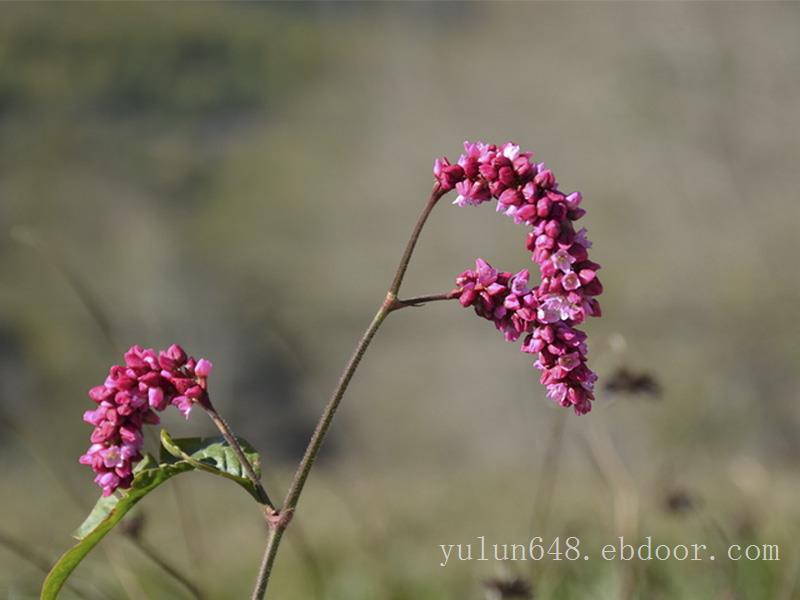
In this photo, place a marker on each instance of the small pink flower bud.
(156, 398)
(203, 368)
(511, 197)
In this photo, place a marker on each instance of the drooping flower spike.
(147, 383)
(546, 315)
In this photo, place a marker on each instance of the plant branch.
(436, 194)
(281, 519)
(421, 300)
(225, 429)
(278, 526)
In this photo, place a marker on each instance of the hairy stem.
(281, 521)
(301, 475)
(421, 300)
(436, 194)
(227, 433)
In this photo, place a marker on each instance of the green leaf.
(147, 476)
(212, 455)
(106, 514)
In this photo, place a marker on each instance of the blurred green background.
(241, 178)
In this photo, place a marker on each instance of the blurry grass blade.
(214, 455)
(177, 456)
(30, 555)
(29, 237)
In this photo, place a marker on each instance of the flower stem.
(225, 429)
(436, 194)
(422, 300)
(292, 497)
(281, 521)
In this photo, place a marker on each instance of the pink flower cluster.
(129, 398)
(547, 314)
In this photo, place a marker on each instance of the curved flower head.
(130, 398)
(528, 192)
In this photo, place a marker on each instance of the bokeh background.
(241, 178)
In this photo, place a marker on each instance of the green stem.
(281, 520)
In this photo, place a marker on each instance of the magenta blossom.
(128, 400)
(503, 298)
(528, 193)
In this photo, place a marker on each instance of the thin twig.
(191, 533)
(32, 448)
(301, 475)
(390, 303)
(128, 580)
(626, 498)
(175, 573)
(728, 568)
(791, 583)
(422, 300)
(299, 539)
(551, 462)
(436, 194)
(88, 298)
(545, 488)
(225, 429)
(33, 557)
(25, 552)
